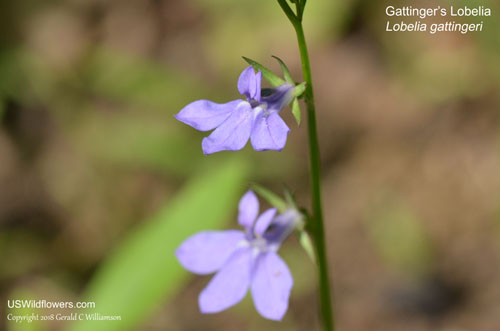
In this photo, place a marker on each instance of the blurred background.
(99, 184)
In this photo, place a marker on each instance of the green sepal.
(286, 72)
(299, 89)
(296, 111)
(271, 77)
(273, 199)
(290, 200)
(307, 244)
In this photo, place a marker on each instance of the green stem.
(315, 165)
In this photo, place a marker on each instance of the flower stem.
(315, 165)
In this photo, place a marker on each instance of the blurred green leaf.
(143, 272)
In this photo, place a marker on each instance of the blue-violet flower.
(235, 122)
(243, 260)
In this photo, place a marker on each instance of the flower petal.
(258, 81)
(263, 221)
(204, 115)
(281, 227)
(206, 252)
(271, 286)
(269, 132)
(248, 209)
(233, 133)
(249, 83)
(230, 285)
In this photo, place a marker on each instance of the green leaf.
(307, 244)
(143, 271)
(273, 199)
(286, 72)
(296, 111)
(271, 77)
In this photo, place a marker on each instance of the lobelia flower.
(243, 260)
(235, 122)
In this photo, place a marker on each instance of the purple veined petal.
(282, 225)
(206, 252)
(233, 133)
(280, 97)
(230, 285)
(271, 286)
(248, 209)
(204, 115)
(263, 221)
(269, 132)
(249, 83)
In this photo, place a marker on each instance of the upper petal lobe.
(230, 285)
(233, 133)
(269, 132)
(249, 83)
(248, 209)
(271, 286)
(204, 115)
(206, 252)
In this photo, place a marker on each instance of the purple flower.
(235, 122)
(243, 260)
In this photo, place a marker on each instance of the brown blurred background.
(409, 127)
